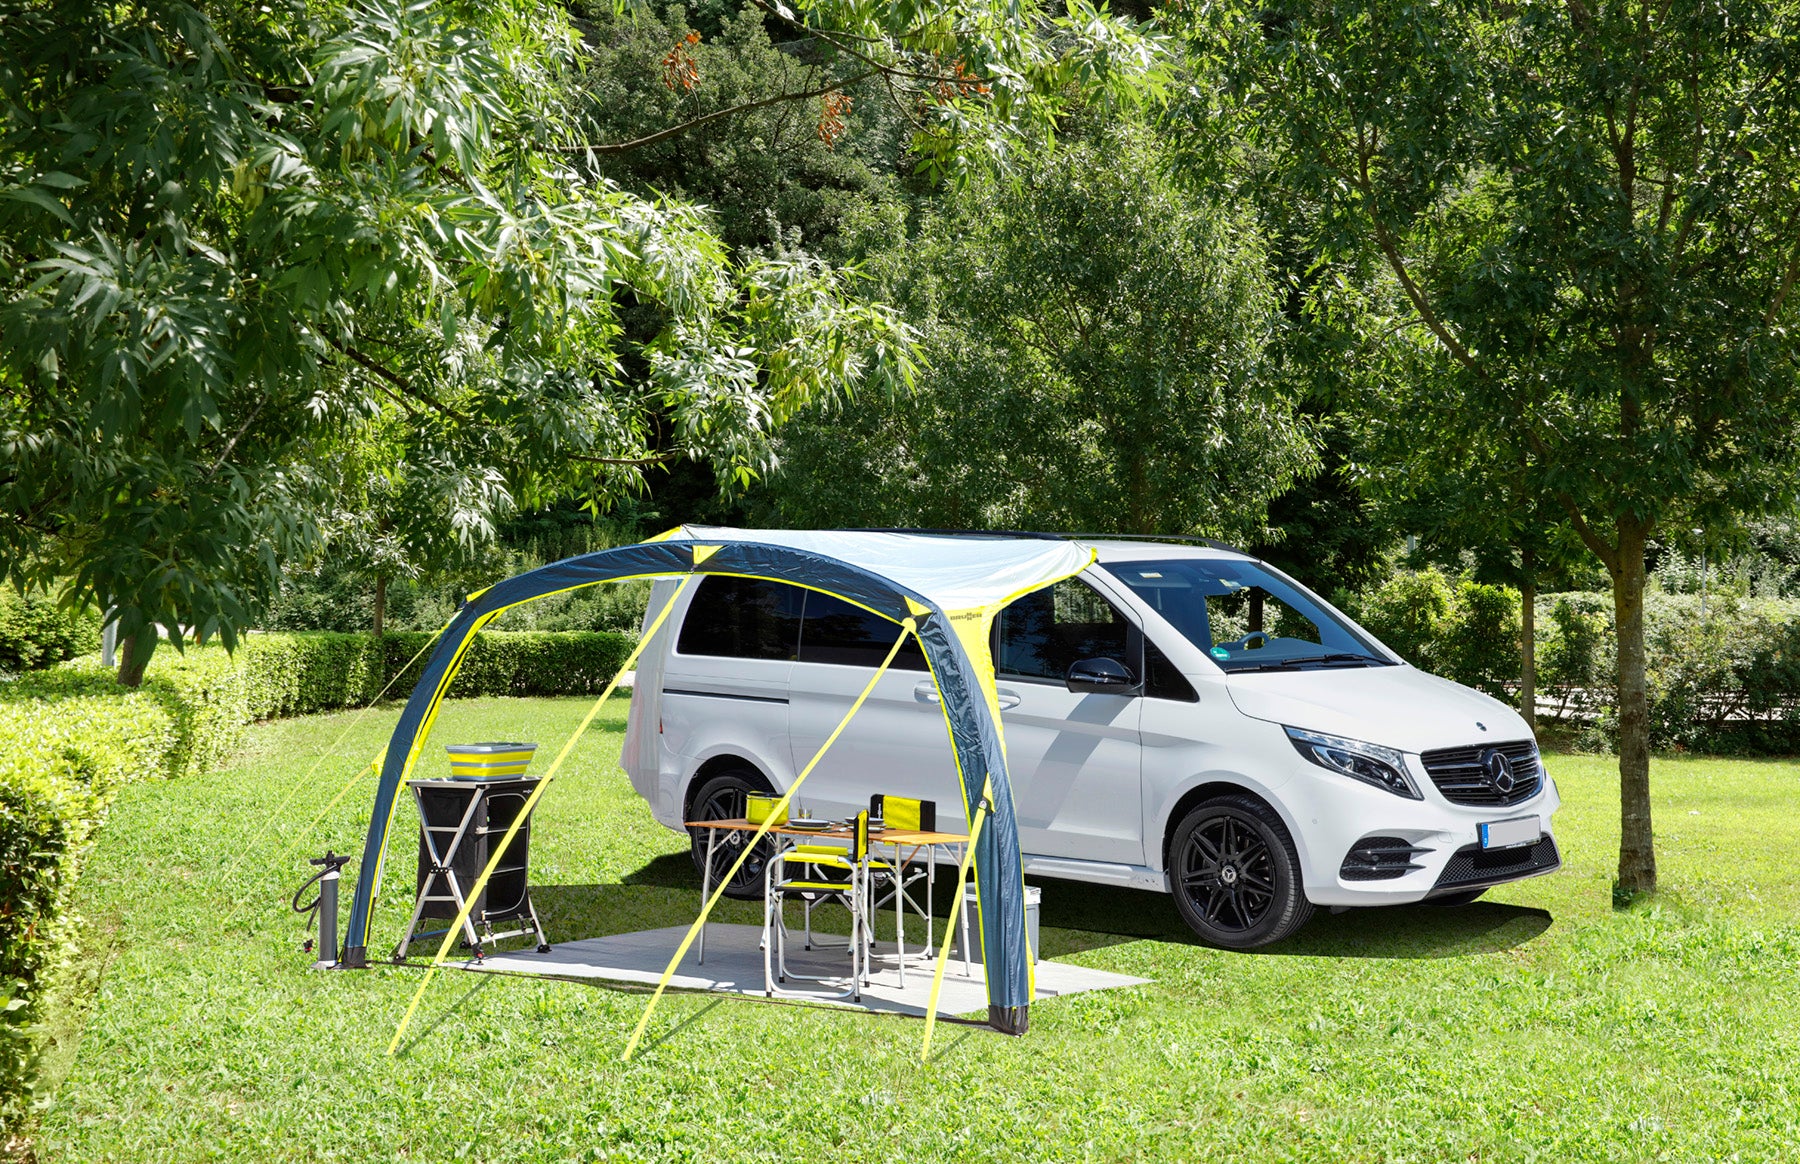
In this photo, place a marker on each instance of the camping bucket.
(971, 906)
(488, 761)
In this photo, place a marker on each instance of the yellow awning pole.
(524, 813)
(778, 812)
(956, 905)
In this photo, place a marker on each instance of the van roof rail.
(1186, 539)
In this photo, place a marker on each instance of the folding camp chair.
(812, 884)
(903, 814)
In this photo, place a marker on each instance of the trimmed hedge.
(70, 736)
(59, 765)
(35, 632)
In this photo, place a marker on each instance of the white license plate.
(1505, 834)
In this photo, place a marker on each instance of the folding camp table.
(907, 845)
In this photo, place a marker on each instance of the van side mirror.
(1100, 677)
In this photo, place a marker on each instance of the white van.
(1268, 755)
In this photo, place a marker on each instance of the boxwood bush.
(36, 632)
(60, 763)
(70, 735)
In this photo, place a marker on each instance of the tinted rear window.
(743, 618)
(837, 632)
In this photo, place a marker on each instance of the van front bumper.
(1365, 847)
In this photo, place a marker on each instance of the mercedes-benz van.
(1262, 754)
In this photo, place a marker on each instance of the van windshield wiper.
(1303, 660)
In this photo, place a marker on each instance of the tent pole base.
(355, 958)
(1009, 1020)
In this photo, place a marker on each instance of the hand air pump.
(325, 905)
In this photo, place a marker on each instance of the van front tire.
(722, 798)
(1236, 874)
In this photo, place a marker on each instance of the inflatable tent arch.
(950, 587)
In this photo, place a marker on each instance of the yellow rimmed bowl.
(495, 761)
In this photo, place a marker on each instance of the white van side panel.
(639, 756)
(898, 744)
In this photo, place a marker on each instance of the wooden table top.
(837, 832)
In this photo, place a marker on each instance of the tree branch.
(1787, 284)
(622, 147)
(652, 459)
(398, 381)
(1604, 550)
(1391, 250)
(236, 436)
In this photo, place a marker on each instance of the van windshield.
(1246, 616)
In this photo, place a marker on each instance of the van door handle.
(1007, 699)
(926, 693)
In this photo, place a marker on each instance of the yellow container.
(496, 761)
(757, 809)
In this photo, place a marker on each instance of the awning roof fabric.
(955, 572)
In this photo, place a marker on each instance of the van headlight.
(1385, 768)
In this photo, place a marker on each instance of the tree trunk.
(1528, 637)
(132, 661)
(380, 603)
(1637, 848)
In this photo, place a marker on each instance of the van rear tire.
(721, 797)
(1236, 874)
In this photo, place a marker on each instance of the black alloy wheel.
(722, 798)
(1236, 874)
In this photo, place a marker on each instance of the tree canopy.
(1100, 358)
(230, 236)
(1584, 218)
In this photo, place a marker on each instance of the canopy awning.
(956, 572)
(943, 590)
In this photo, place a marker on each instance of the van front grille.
(1472, 775)
(1473, 865)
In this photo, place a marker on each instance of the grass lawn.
(1538, 1024)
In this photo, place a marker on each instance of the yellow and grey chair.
(903, 814)
(807, 872)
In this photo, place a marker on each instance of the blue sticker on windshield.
(1220, 653)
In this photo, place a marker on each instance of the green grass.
(1538, 1024)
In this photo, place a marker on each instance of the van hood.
(1401, 707)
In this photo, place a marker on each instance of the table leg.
(712, 837)
(900, 914)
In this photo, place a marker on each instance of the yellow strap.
(372, 766)
(280, 812)
(524, 813)
(780, 810)
(956, 904)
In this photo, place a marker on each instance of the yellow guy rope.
(524, 813)
(956, 904)
(778, 812)
(372, 766)
(306, 780)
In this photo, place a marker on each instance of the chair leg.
(768, 980)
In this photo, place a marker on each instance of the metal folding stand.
(453, 852)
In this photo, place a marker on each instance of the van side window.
(834, 631)
(1041, 634)
(1162, 680)
(742, 618)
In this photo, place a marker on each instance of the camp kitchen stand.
(459, 823)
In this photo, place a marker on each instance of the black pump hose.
(332, 863)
